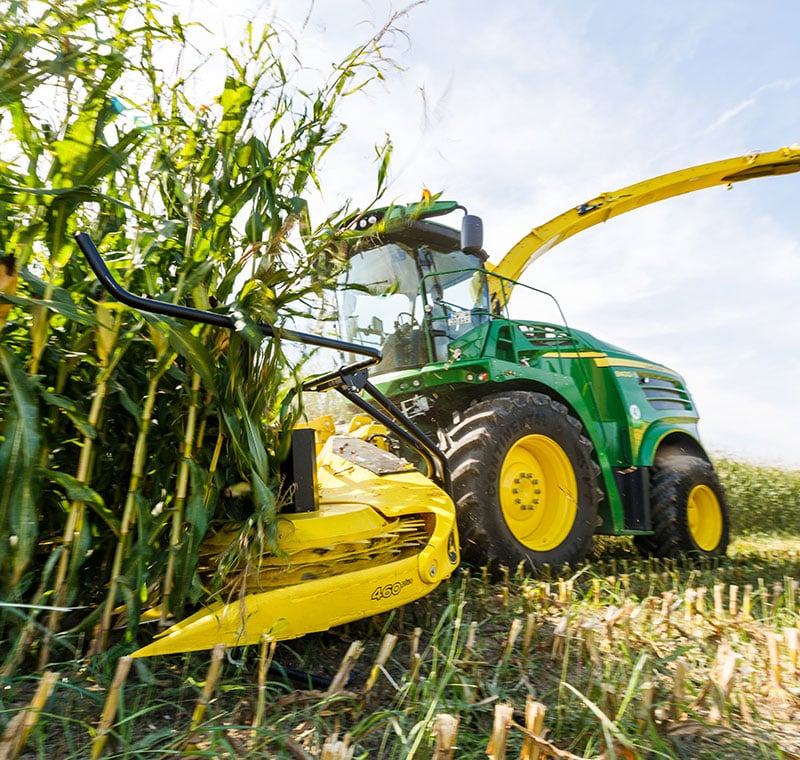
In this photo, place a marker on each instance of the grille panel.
(665, 393)
(547, 336)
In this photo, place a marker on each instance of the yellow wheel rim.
(704, 516)
(538, 492)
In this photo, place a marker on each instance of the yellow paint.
(375, 543)
(324, 428)
(637, 431)
(704, 516)
(364, 427)
(538, 492)
(609, 361)
(604, 360)
(608, 205)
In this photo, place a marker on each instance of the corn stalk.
(165, 358)
(194, 202)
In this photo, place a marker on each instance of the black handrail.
(349, 380)
(86, 244)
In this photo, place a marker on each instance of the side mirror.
(471, 233)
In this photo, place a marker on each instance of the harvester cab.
(551, 433)
(366, 531)
(417, 291)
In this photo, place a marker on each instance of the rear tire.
(689, 510)
(524, 482)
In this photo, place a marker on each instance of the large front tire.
(524, 482)
(689, 510)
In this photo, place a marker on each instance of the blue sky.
(521, 110)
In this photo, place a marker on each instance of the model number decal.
(459, 318)
(389, 590)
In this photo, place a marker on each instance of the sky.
(521, 109)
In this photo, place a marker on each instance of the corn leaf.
(70, 408)
(77, 491)
(184, 342)
(197, 514)
(19, 454)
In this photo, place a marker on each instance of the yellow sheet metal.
(607, 205)
(377, 542)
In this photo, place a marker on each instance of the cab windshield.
(411, 301)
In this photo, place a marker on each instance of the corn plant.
(763, 499)
(120, 433)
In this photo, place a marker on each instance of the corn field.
(627, 658)
(763, 499)
(124, 437)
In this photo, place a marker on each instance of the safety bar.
(349, 380)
